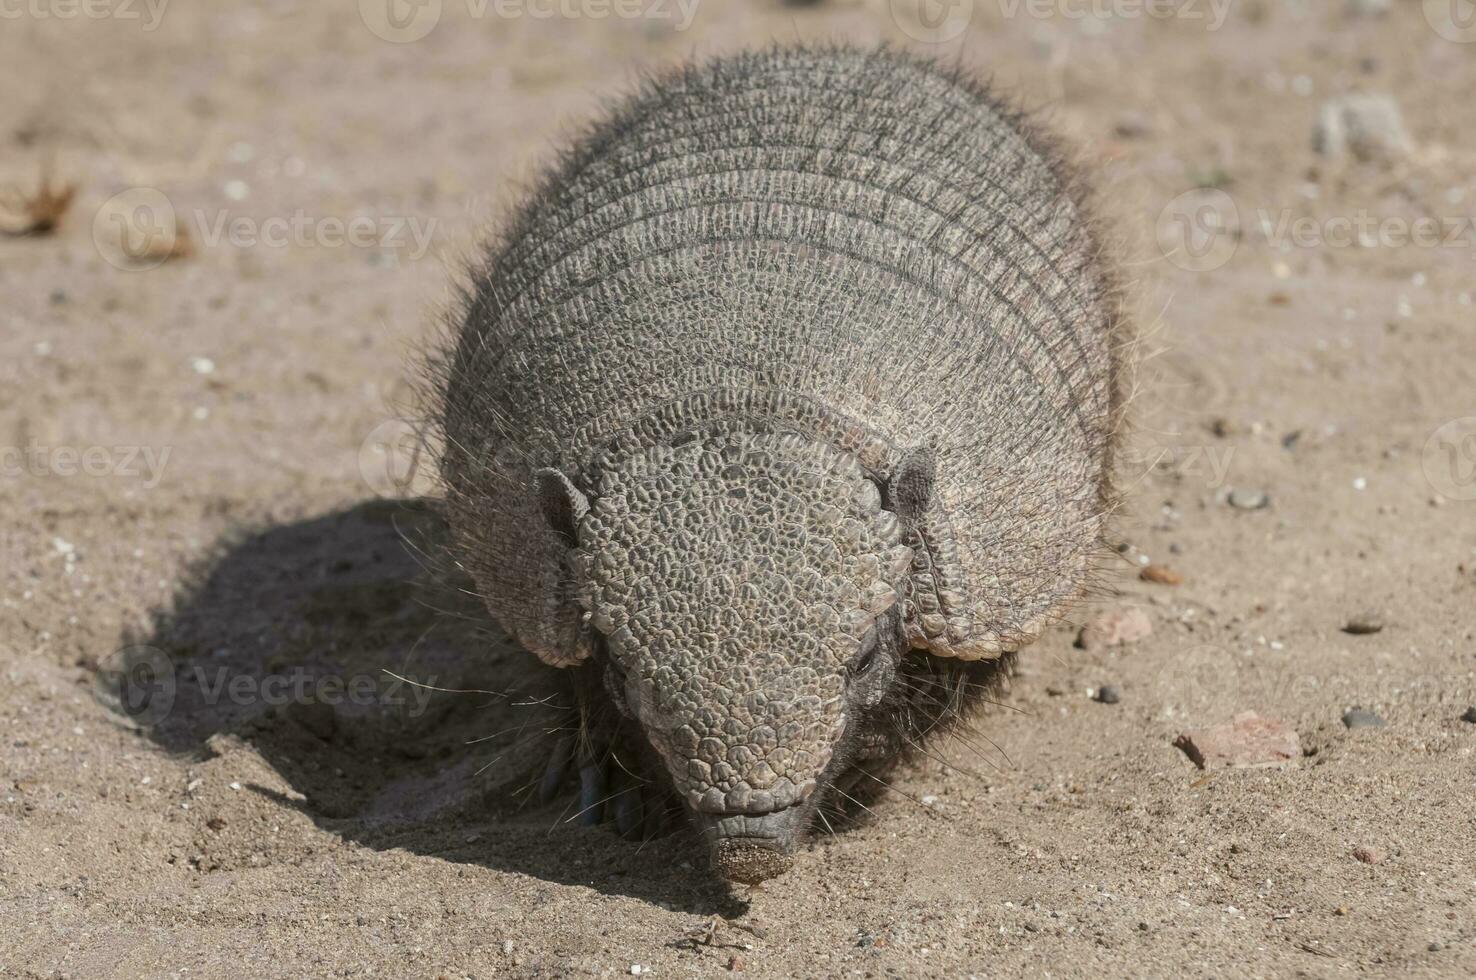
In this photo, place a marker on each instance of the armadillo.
(780, 415)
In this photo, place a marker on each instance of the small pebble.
(1133, 125)
(1470, 715)
(1161, 574)
(1249, 499)
(1434, 947)
(1367, 127)
(1368, 855)
(1107, 694)
(1359, 718)
(1364, 624)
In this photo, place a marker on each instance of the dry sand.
(1068, 838)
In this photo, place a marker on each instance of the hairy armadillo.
(781, 415)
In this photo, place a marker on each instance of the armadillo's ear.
(909, 489)
(564, 637)
(938, 614)
(564, 506)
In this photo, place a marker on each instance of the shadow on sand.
(287, 639)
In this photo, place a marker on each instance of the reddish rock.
(1114, 628)
(1368, 855)
(1161, 574)
(1248, 742)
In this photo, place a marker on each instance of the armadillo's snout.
(749, 848)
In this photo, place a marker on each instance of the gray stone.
(1368, 128)
(1248, 499)
(1360, 718)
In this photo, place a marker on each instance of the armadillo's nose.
(748, 861)
(748, 848)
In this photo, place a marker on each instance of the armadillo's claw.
(613, 788)
(628, 807)
(553, 773)
(591, 793)
(656, 821)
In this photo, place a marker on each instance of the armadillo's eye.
(866, 661)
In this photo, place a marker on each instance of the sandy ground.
(201, 459)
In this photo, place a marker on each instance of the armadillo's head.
(744, 590)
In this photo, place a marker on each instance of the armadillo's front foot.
(613, 787)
